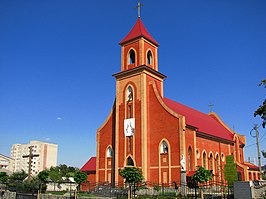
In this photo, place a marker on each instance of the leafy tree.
(202, 175)
(18, 176)
(32, 185)
(43, 176)
(230, 170)
(131, 174)
(261, 111)
(57, 173)
(3, 177)
(66, 171)
(80, 177)
(54, 176)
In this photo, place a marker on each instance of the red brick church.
(158, 135)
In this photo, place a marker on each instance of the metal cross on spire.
(138, 7)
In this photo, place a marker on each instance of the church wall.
(89, 185)
(104, 140)
(241, 155)
(241, 172)
(214, 147)
(162, 126)
(210, 146)
(190, 142)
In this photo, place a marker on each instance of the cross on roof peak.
(138, 7)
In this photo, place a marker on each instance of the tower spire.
(138, 7)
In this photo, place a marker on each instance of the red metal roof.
(251, 166)
(90, 165)
(138, 30)
(203, 122)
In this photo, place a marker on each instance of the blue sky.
(57, 59)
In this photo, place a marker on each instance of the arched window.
(129, 99)
(204, 160)
(132, 57)
(222, 157)
(217, 164)
(189, 152)
(211, 161)
(197, 153)
(164, 147)
(130, 162)
(129, 94)
(149, 58)
(109, 152)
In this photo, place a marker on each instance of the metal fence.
(171, 190)
(149, 190)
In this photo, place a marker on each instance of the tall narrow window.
(211, 162)
(217, 164)
(189, 158)
(129, 98)
(164, 147)
(204, 160)
(129, 94)
(149, 58)
(132, 57)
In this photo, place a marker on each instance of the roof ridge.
(138, 30)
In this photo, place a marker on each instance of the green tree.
(3, 177)
(18, 176)
(43, 176)
(80, 177)
(54, 176)
(230, 170)
(202, 175)
(131, 175)
(261, 111)
(66, 171)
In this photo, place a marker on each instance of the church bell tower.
(139, 67)
(139, 48)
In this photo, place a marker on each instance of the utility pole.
(30, 156)
(258, 147)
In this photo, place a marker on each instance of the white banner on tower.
(129, 126)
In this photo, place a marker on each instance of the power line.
(250, 145)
